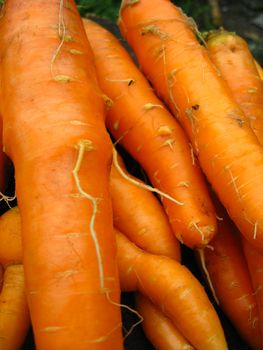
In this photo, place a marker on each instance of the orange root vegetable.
(140, 122)
(138, 214)
(175, 290)
(255, 264)
(164, 41)
(158, 328)
(231, 55)
(260, 69)
(54, 132)
(229, 279)
(14, 313)
(10, 237)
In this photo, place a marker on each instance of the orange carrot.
(141, 123)
(229, 278)
(231, 55)
(255, 264)
(175, 290)
(158, 328)
(54, 132)
(10, 237)
(14, 313)
(165, 43)
(260, 70)
(138, 214)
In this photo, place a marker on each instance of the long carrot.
(142, 124)
(54, 132)
(138, 214)
(231, 55)
(230, 280)
(171, 287)
(159, 328)
(255, 264)
(14, 313)
(165, 43)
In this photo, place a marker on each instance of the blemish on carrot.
(165, 130)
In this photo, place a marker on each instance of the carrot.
(165, 43)
(231, 55)
(10, 237)
(138, 214)
(14, 313)
(175, 290)
(255, 264)
(229, 278)
(54, 132)
(158, 328)
(142, 124)
(259, 69)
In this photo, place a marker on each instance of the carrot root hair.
(139, 184)
(84, 146)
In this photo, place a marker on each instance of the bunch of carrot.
(86, 228)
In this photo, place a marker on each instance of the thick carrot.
(229, 278)
(231, 55)
(171, 287)
(54, 132)
(138, 214)
(158, 328)
(141, 123)
(255, 264)
(14, 313)
(165, 43)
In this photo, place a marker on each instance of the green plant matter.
(102, 8)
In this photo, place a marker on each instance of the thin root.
(7, 199)
(202, 259)
(83, 146)
(140, 184)
(129, 309)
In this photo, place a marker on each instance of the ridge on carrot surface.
(141, 123)
(166, 43)
(54, 132)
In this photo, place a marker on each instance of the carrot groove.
(54, 132)
(164, 41)
(141, 123)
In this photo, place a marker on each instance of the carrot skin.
(158, 328)
(14, 313)
(47, 136)
(138, 214)
(142, 124)
(231, 55)
(255, 265)
(164, 41)
(175, 290)
(230, 278)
